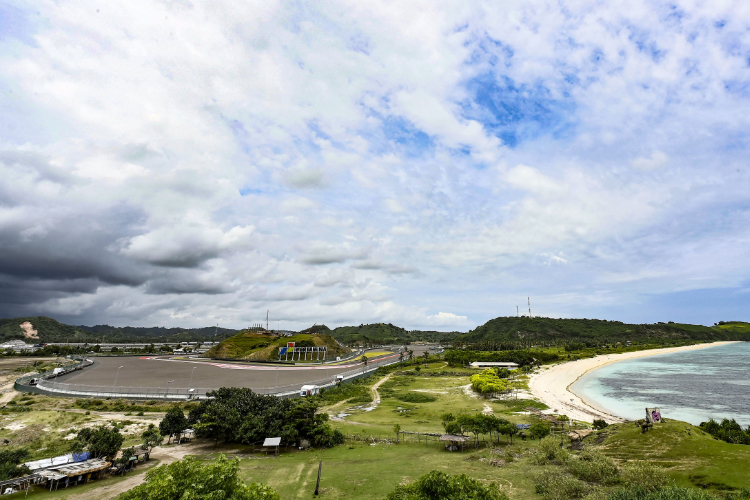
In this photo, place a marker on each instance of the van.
(308, 390)
(339, 379)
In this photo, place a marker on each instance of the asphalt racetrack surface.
(157, 371)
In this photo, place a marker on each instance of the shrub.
(548, 450)
(594, 467)
(539, 430)
(662, 494)
(600, 424)
(436, 485)
(415, 397)
(553, 485)
(645, 475)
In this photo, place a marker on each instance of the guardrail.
(23, 382)
(54, 387)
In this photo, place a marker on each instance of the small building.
(453, 442)
(308, 390)
(494, 364)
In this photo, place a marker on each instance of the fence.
(54, 387)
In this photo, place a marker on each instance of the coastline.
(552, 385)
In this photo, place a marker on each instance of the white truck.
(308, 390)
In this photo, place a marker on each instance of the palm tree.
(365, 360)
(411, 354)
(401, 356)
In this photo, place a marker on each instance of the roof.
(308, 387)
(506, 364)
(49, 462)
(453, 437)
(92, 465)
(272, 441)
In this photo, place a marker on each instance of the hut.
(453, 441)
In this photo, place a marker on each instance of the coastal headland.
(552, 385)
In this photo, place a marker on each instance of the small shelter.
(272, 443)
(454, 441)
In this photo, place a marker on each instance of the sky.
(428, 164)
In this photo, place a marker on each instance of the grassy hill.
(691, 456)
(50, 330)
(255, 346)
(551, 330)
(386, 333)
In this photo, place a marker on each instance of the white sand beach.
(552, 384)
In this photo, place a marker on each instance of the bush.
(644, 475)
(553, 485)
(539, 430)
(662, 494)
(600, 424)
(415, 397)
(436, 485)
(594, 467)
(548, 450)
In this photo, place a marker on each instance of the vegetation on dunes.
(255, 346)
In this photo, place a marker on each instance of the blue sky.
(428, 164)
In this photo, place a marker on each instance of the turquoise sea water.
(692, 386)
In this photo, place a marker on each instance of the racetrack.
(171, 373)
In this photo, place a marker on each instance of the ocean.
(692, 386)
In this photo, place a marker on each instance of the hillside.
(514, 329)
(50, 330)
(254, 346)
(386, 333)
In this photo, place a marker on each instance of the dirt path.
(375, 393)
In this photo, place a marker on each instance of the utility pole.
(529, 301)
(268, 311)
(517, 312)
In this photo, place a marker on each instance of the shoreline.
(552, 385)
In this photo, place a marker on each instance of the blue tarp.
(81, 457)
(523, 426)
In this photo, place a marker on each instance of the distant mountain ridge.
(496, 331)
(49, 330)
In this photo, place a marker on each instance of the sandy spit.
(552, 384)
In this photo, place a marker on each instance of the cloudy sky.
(429, 164)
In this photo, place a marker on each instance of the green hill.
(550, 330)
(50, 330)
(254, 346)
(386, 333)
(690, 456)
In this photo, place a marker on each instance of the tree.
(401, 356)
(600, 424)
(411, 354)
(509, 430)
(197, 480)
(436, 485)
(101, 441)
(539, 430)
(173, 423)
(9, 463)
(151, 438)
(365, 359)
(397, 430)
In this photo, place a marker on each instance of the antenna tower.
(517, 312)
(529, 301)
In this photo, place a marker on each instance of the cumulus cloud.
(161, 163)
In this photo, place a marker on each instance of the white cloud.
(656, 160)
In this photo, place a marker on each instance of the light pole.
(167, 393)
(191, 378)
(116, 375)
